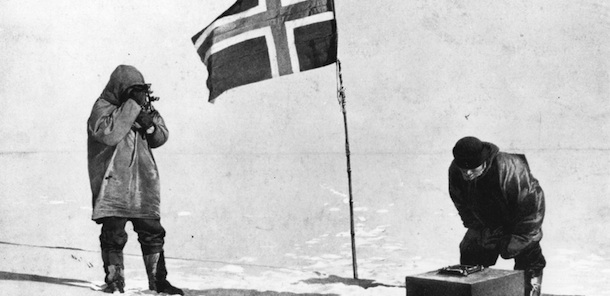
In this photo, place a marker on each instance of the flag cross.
(273, 19)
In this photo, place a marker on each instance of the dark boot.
(157, 274)
(115, 279)
(106, 263)
(533, 285)
(113, 268)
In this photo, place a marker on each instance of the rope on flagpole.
(341, 100)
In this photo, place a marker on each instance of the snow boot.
(157, 273)
(115, 279)
(113, 269)
(535, 286)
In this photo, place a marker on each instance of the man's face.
(471, 174)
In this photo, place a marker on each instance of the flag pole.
(341, 99)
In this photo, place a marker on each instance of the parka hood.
(123, 77)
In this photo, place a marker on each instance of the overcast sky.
(419, 75)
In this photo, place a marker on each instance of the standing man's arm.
(108, 123)
(160, 134)
(523, 192)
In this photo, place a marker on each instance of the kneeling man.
(501, 205)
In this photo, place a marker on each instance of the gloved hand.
(145, 119)
(512, 245)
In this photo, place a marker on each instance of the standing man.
(501, 205)
(122, 130)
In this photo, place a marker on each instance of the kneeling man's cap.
(470, 152)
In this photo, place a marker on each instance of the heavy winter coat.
(122, 171)
(506, 197)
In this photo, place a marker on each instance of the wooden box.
(488, 282)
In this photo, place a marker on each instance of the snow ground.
(256, 225)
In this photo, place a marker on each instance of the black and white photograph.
(305, 147)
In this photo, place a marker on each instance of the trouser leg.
(151, 237)
(532, 262)
(472, 252)
(112, 241)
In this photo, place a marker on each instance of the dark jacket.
(506, 197)
(122, 171)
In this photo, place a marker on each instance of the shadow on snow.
(13, 276)
(333, 279)
(242, 292)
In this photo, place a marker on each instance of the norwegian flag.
(256, 40)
